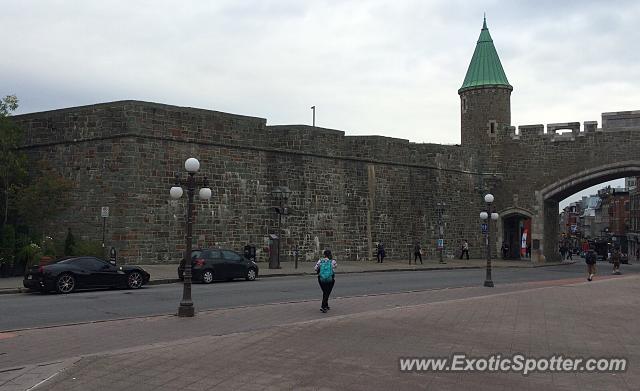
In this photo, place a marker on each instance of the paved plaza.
(356, 346)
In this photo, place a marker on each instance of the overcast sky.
(388, 68)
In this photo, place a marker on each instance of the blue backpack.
(326, 270)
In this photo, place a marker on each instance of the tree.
(12, 160)
(43, 197)
(8, 104)
(69, 243)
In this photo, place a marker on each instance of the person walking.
(465, 249)
(615, 258)
(590, 259)
(417, 253)
(504, 249)
(326, 269)
(380, 253)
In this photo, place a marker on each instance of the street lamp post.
(192, 166)
(485, 215)
(281, 194)
(441, 206)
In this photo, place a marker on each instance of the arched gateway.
(534, 169)
(347, 192)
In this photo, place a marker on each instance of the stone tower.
(485, 95)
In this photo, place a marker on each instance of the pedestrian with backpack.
(326, 269)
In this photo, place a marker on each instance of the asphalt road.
(32, 310)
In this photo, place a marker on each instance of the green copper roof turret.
(485, 69)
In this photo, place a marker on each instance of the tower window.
(492, 127)
(464, 105)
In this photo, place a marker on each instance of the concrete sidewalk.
(167, 273)
(356, 346)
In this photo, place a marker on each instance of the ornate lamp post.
(484, 215)
(192, 166)
(280, 194)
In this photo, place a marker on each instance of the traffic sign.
(440, 244)
(484, 228)
(105, 212)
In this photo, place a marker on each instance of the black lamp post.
(192, 166)
(485, 215)
(281, 194)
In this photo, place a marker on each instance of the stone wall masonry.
(347, 192)
(621, 119)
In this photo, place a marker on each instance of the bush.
(7, 251)
(88, 248)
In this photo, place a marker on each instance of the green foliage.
(8, 104)
(29, 255)
(69, 243)
(28, 198)
(52, 248)
(89, 248)
(12, 161)
(8, 245)
(43, 198)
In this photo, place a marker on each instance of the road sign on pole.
(104, 213)
(483, 227)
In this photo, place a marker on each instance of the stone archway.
(545, 222)
(509, 230)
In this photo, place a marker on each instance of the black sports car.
(68, 274)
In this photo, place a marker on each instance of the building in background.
(615, 210)
(633, 233)
(588, 225)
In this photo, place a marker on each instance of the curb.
(162, 281)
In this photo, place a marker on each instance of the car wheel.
(207, 276)
(134, 280)
(65, 283)
(251, 274)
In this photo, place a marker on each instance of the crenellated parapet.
(570, 131)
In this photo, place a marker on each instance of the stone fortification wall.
(541, 167)
(347, 191)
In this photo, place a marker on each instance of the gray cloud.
(370, 67)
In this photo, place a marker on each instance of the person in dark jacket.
(380, 253)
(417, 253)
(590, 259)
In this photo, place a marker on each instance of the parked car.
(68, 274)
(208, 265)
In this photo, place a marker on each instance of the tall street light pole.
(192, 166)
(485, 215)
(281, 194)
